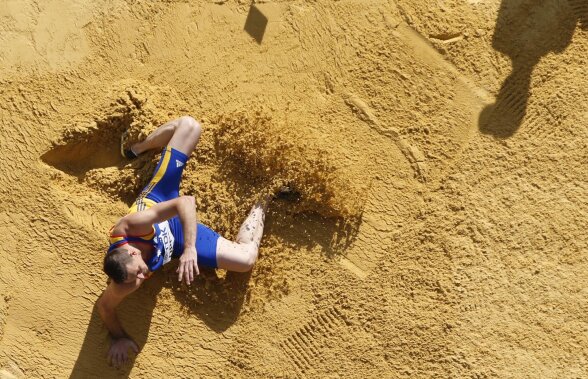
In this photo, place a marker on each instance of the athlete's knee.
(189, 130)
(190, 124)
(249, 257)
(190, 200)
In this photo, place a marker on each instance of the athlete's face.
(137, 270)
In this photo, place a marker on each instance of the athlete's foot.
(283, 192)
(125, 150)
(286, 193)
(129, 154)
(264, 202)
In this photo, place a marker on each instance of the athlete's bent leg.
(241, 255)
(186, 135)
(182, 134)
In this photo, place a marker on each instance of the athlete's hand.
(188, 267)
(119, 351)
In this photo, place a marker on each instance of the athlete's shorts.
(165, 185)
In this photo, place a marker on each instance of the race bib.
(166, 238)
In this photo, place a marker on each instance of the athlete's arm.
(141, 223)
(106, 304)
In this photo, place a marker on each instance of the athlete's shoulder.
(119, 228)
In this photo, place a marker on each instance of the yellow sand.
(439, 150)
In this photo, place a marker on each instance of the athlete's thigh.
(186, 135)
(165, 183)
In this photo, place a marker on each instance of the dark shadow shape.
(135, 314)
(79, 152)
(309, 229)
(215, 300)
(525, 31)
(256, 23)
(580, 10)
(503, 118)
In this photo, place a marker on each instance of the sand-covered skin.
(438, 150)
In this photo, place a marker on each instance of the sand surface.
(440, 149)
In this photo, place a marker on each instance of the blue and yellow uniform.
(167, 237)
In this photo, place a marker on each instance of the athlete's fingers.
(181, 271)
(196, 270)
(185, 274)
(135, 347)
(191, 271)
(188, 274)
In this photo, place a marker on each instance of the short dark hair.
(115, 264)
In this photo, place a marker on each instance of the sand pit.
(437, 150)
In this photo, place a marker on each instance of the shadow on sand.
(138, 307)
(256, 24)
(216, 301)
(525, 31)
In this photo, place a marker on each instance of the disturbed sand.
(440, 153)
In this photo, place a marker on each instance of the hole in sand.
(88, 147)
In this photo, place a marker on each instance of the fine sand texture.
(438, 150)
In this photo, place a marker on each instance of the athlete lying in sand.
(162, 225)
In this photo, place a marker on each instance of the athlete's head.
(125, 265)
